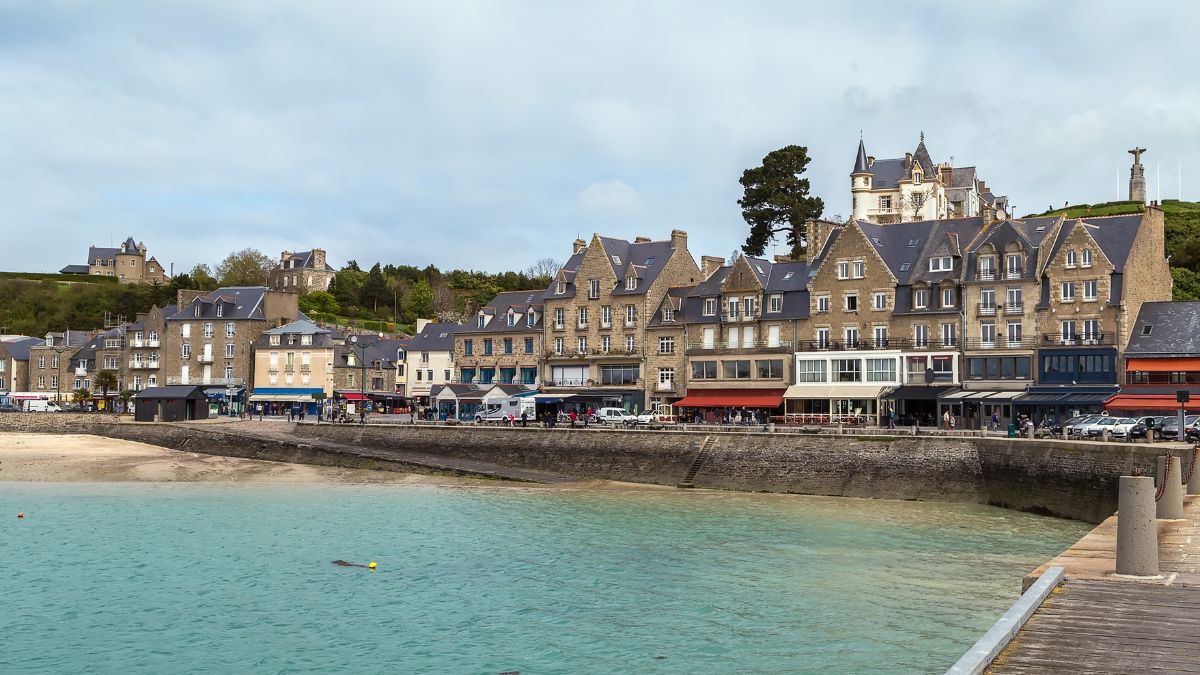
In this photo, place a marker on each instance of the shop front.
(974, 409)
(915, 404)
(282, 400)
(1060, 403)
(1154, 400)
(847, 404)
(730, 406)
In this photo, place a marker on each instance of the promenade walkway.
(1097, 622)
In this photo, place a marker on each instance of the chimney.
(819, 232)
(641, 240)
(318, 256)
(710, 264)
(907, 158)
(421, 324)
(578, 246)
(678, 240)
(870, 161)
(783, 258)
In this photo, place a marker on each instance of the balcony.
(205, 358)
(305, 368)
(141, 365)
(593, 352)
(986, 275)
(737, 317)
(986, 309)
(291, 367)
(664, 386)
(1001, 342)
(720, 347)
(153, 342)
(590, 383)
(1076, 340)
(1013, 273)
(218, 381)
(1014, 308)
(137, 343)
(81, 372)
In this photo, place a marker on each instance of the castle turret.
(860, 184)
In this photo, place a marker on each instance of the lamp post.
(362, 345)
(58, 375)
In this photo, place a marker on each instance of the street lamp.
(58, 376)
(362, 346)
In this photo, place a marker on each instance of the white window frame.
(859, 269)
(710, 307)
(1087, 258)
(947, 297)
(920, 298)
(942, 263)
(1067, 290)
(1072, 259)
(843, 269)
(775, 303)
(879, 300)
(1090, 289)
(594, 289)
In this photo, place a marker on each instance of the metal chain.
(1192, 464)
(1162, 484)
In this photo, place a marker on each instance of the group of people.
(735, 416)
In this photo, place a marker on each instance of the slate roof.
(789, 278)
(1174, 330)
(305, 259)
(19, 349)
(171, 391)
(962, 177)
(921, 157)
(435, 337)
(322, 337)
(676, 297)
(241, 302)
(520, 302)
(102, 253)
(887, 173)
(645, 259)
(75, 269)
(166, 310)
(860, 162)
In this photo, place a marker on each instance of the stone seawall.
(1062, 478)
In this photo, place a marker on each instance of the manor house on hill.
(913, 187)
(127, 262)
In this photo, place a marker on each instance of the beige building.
(144, 340)
(293, 367)
(50, 373)
(427, 359)
(302, 272)
(127, 262)
(597, 311)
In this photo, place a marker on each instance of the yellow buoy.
(371, 565)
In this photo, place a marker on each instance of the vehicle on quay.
(616, 416)
(1127, 428)
(1097, 428)
(42, 406)
(9, 408)
(1079, 427)
(1056, 428)
(498, 412)
(657, 418)
(1170, 428)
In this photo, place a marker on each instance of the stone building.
(144, 345)
(302, 272)
(427, 359)
(103, 352)
(503, 343)
(127, 262)
(14, 365)
(1162, 358)
(666, 349)
(915, 188)
(210, 339)
(50, 373)
(597, 310)
(368, 368)
(293, 367)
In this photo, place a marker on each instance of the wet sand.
(79, 458)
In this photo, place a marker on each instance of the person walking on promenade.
(995, 420)
(574, 415)
(946, 419)
(587, 417)
(524, 418)
(953, 422)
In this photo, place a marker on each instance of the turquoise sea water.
(158, 578)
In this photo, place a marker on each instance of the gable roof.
(1174, 330)
(435, 337)
(240, 302)
(19, 348)
(305, 259)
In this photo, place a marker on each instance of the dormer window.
(530, 319)
(197, 310)
(668, 315)
(220, 309)
(560, 288)
(511, 319)
(916, 178)
(482, 320)
(631, 283)
(941, 264)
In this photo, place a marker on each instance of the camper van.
(498, 410)
(42, 406)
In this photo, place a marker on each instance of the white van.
(42, 406)
(616, 416)
(498, 411)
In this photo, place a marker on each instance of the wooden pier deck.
(1097, 622)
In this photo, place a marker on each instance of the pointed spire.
(860, 162)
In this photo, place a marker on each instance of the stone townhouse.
(14, 365)
(1162, 358)
(103, 352)
(302, 272)
(50, 372)
(209, 340)
(742, 323)
(144, 344)
(293, 367)
(597, 310)
(666, 349)
(366, 368)
(427, 360)
(503, 343)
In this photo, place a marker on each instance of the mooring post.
(1170, 504)
(1031, 431)
(1065, 436)
(1137, 531)
(1105, 435)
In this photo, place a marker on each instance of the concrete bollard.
(1065, 436)
(1105, 435)
(1193, 486)
(1137, 532)
(1170, 506)
(1032, 432)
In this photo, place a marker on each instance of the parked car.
(1057, 427)
(1097, 428)
(616, 416)
(1078, 428)
(8, 407)
(1124, 428)
(1170, 427)
(43, 406)
(654, 419)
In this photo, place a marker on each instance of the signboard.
(349, 408)
(1183, 396)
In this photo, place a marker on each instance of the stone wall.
(1061, 478)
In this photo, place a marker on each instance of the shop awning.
(992, 395)
(551, 398)
(1122, 402)
(1163, 365)
(732, 398)
(850, 391)
(350, 395)
(282, 398)
(1047, 396)
(916, 392)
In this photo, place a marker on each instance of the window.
(987, 333)
(822, 338)
(1014, 333)
(185, 350)
(1012, 265)
(229, 332)
(666, 377)
(773, 336)
(947, 297)
(481, 320)
(918, 198)
(847, 370)
(710, 307)
(605, 316)
(851, 302)
(1013, 298)
(528, 345)
(666, 345)
(881, 339)
(881, 370)
(735, 370)
(843, 270)
(560, 318)
(468, 347)
(152, 381)
(1068, 291)
(1089, 289)
(916, 181)
(668, 315)
(42, 382)
(885, 202)
(582, 345)
(630, 344)
(208, 330)
(775, 303)
(605, 343)
(998, 368)
(851, 338)
(860, 269)
(630, 315)
(1068, 332)
(583, 317)
(822, 304)
(594, 289)
(274, 340)
(560, 288)
(1087, 257)
(941, 264)
(220, 309)
(750, 306)
(704, 370)
(631, 283)
(921, 335)
(619, 374)
(42, 362)
(987, 300)
(987, 267)
(558, 346)
(112, 343)
(949, 335)
(467, 375)
(769, 369)
(528, 375)
(810, 371)
(1091, 329)
(879, 300)
(508, 345)
(920, 298)
(1072, 259)
(229, 350)
(185, 330)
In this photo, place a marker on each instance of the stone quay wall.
(1068, 479)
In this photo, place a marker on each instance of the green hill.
(1182, 221)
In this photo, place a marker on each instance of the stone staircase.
(706, 447)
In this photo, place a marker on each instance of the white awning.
(855, 391)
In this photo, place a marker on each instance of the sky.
(487, 135)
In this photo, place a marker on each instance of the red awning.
(732, 398)
(352, 396)
(1163, 365)
(1134, 402)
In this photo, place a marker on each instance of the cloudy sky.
(486, 135)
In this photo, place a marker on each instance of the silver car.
(1078, 428)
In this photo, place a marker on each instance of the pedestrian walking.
(995, 420)
(524, 418)
(946, 419)
(573, 416)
